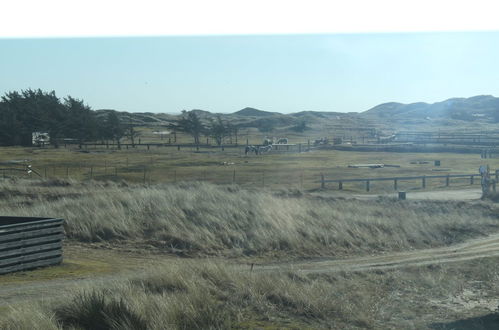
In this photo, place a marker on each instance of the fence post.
(299, 147)
(471, 179)
(234, 176)
(423, 182)
(178, 147)
(368, 185)
(395, 184)
(323, 184)
(340, 185)
(447, 180)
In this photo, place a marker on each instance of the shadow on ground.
(486, 322)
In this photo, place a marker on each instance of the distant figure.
(321, 141)
(268, 141)
(250, 149)
(266, 148)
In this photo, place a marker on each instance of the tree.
(30, 111)
(190, 124)
(130, 131)
(80, 122)
(112, 128)
(219, 130)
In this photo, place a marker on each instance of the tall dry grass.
(203, 295)
(211, 219)
(206, 295)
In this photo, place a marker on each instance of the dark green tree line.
(28, 111)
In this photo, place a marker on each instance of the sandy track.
(82, 266)
(24, 291)
(472, 249)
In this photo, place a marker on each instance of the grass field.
(276, 169)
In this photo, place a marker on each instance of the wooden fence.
(27, 243)
(396, 180)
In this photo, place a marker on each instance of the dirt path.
(82, 265)
(472, 249)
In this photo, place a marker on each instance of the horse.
(266, 148)
(250, 149)
(282, 141)
(268, 141)
(321, 141)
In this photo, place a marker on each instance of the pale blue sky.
(285, 73)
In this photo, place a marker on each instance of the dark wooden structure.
(396, 180)
(27, 243)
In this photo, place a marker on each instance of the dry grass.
(206, 295)
(202, 295)
(201, 218)
(274, 170)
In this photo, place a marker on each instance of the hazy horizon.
(281, 73)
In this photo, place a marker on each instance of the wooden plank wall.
(29, 243)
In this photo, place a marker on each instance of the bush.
(97, 311)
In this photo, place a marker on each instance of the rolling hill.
(472, 108)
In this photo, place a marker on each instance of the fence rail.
(395, 180)
(27, 243)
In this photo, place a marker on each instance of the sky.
(284, 73)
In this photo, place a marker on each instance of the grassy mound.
(210, 219)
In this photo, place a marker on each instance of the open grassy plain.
(275, 169)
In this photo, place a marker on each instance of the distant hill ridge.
(252, 112)
(471, 108)
(455, 108)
